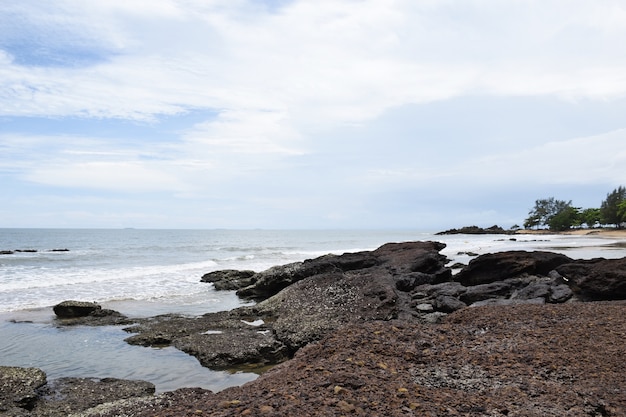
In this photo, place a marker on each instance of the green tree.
(610, 208)
(565, 219)
(590, 216)
(621, 211)
(545, 209)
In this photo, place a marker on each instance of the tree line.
(561, 215)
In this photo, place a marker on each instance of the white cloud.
(113, 176)
(282, 84)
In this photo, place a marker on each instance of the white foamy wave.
(28, 287)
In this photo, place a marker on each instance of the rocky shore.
(384, 332)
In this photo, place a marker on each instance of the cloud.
(329, 61)
(309, 103)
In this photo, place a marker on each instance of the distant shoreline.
(608, 233)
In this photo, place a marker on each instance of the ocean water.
(143, 273)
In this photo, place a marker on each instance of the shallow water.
(100, 352)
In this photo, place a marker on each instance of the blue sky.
(415, 114)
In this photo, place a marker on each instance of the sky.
(300, 114)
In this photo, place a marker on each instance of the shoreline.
(608, 233)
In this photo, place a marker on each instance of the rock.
(452, 288)
(218, 340)
(485, 291)
(400, 259)
(66, 396)
(408, 282)
(534, 290)
(425, 308)
(6, 252)
(18, 389)
(271, 281)
(326, 293)
(547, 288)
(72, 309)
(230, 279)
(448, 304)
(596, 279)
(435, 317)
(227, 349)
(560, 293)
(499, 266)
(475, 230)
(87, 313)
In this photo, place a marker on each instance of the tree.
(610, 208)
(590, 216)
(621, 211)
(565, 219)
(545, 209)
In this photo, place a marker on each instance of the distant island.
(475, 230)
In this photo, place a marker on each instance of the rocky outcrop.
(475, 230)
(499, 266)
(72, 309)
(26, 392)
(72, 312)
(427, 267)
(597, 279)
(318, 297)
(229, 279)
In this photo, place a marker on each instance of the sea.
(144, 273)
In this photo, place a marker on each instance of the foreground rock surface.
(26, 392)
(557, 360)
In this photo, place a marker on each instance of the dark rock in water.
(26, 392)
(18, 389)
(88, 313)
(597, 279)
(72, 309)
(499, 266)
(229, 279)
(6, 252)
(66, 396)
(475, 230)
(218, 340)
(60, 250)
